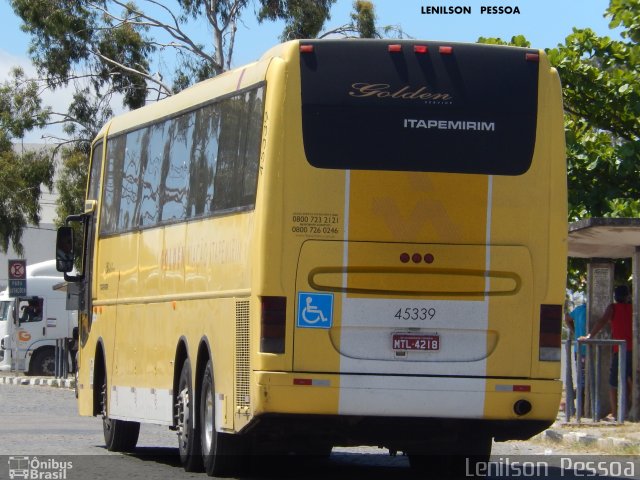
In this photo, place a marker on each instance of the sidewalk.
(10, 378)
(609, 437)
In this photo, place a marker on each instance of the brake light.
(273, 324)
(522, 388)
(396, 47)
(550, 332)
(303, 381)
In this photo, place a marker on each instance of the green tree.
(601, 84)
(110, 47)
(601, 93)
(303, 18)
(113, 43)
(364, 19)
(71, 183)
(602, 118)
(21, 174)
(307, 19)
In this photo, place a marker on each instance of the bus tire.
(188, 434)
(221, 452)
(119, 435)
(43, 362)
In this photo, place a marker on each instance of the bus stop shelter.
(602, 240)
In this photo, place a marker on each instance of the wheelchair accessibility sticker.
(315, 310)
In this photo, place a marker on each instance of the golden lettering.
(383, 90)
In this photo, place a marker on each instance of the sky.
(545, 23)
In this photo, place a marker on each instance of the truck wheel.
(119, 435)
(43, 362)
(188, 434)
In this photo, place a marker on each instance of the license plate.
(404, 341)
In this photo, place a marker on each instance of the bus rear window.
(473, 110)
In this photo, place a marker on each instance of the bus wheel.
(188, 434)
(43, 362)
(119, 435)
(222, 452)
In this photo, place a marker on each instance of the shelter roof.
(604, 237)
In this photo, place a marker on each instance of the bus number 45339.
(413, 313)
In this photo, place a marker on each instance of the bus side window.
(31, 310)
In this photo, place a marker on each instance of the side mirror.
(64, 250)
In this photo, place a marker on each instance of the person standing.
(619, 314)
(576, 320)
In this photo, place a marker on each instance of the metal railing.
(62, 357)
(594, 377)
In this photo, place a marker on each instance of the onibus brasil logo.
(38, 469)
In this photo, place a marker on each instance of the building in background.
(38, 242)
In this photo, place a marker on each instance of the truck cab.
(31, 324)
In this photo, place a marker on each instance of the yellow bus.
(347, 242)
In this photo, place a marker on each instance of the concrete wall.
(39, 245)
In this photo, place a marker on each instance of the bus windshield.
(473, 110)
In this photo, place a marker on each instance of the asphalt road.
(40, 426)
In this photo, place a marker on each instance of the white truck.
(30, 325)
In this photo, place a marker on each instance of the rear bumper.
(407, 397)
(395, 433)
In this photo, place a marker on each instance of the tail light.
(550, 332)
(273, 324)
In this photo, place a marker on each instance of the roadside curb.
(586, 439)
(42, 381)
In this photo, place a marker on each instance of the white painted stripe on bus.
(447, 314)
(153, 405)
(412, 396)
(464, 314)
(367, 325)
(347, 206)
(488, 231)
